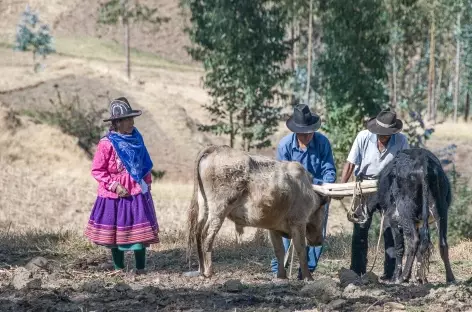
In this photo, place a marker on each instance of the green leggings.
(119, 258)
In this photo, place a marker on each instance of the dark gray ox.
(257, 192)
(413, 190)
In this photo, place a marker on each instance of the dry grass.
(96, 49)
(453, 131)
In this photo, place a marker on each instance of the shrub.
(74, 119)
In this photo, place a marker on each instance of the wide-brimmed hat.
(385, 123)
(120, 108)
(303, 120)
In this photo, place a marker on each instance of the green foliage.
(416, 130)
(460, 214)
(34, 36)
(353, 67)
(242, 48)
(72, 118)
(112, 11)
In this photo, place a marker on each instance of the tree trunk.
(127, 48)
(309, 50)
(467, 107)
(125, 22)
(231, 134)
(394, 74)
(244, 142)
(438, 94)
(456, 78)
(292, 59)
(431, 78)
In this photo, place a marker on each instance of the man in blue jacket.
(313, 151)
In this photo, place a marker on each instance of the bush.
(74, 119)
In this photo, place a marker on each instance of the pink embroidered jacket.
(108, 170)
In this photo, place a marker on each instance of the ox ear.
(373, 204)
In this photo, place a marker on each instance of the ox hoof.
(401, 280)
(422, 281)
(451, 282)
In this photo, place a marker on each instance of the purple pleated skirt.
(123, 221)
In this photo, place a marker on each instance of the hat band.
(304, 125)
(384, 125)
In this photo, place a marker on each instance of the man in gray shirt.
(371, 151)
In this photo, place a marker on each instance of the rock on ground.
(323, 289)
(233, 285)
(37, 263)
(347, 277)
(22, 278)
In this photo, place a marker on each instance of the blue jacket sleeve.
(328, 169)
(282, 153)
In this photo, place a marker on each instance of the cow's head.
(314, 227)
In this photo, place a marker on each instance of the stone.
(36, 264)
(370, 278)
(394, 306)
(34, 284)
(233, 285)
(337, 304)
(21, 277)
(323, 289)
(122, 287)
(347, 277)
(192, 274)
(92, 286)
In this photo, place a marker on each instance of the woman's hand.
(121, 191)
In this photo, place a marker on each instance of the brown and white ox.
(253, 191)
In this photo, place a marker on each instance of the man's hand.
(347, 172)
(121, 191)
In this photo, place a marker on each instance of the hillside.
(76, 18)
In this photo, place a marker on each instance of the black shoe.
(385, 277)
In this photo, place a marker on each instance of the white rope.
(378, 241)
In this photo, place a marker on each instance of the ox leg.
(201, 233)
(201, 260)
(279, 251)
(444, 249)
(412, 243)
(399, 251)
(212, 227)
(298, 239)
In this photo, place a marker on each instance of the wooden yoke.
(345, 189)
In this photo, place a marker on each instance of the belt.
(362, 178)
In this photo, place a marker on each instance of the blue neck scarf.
(133, 154)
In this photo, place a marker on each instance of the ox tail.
(424, 233)
(192, 212)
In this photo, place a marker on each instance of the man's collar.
(373, 139)
(295, 141)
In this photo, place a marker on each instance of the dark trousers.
(360, 247)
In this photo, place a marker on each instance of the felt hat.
(120, 108)
(385, 123)
(303, 120)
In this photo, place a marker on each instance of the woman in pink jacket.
(123, 217)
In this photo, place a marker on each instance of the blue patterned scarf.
(133, 154)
